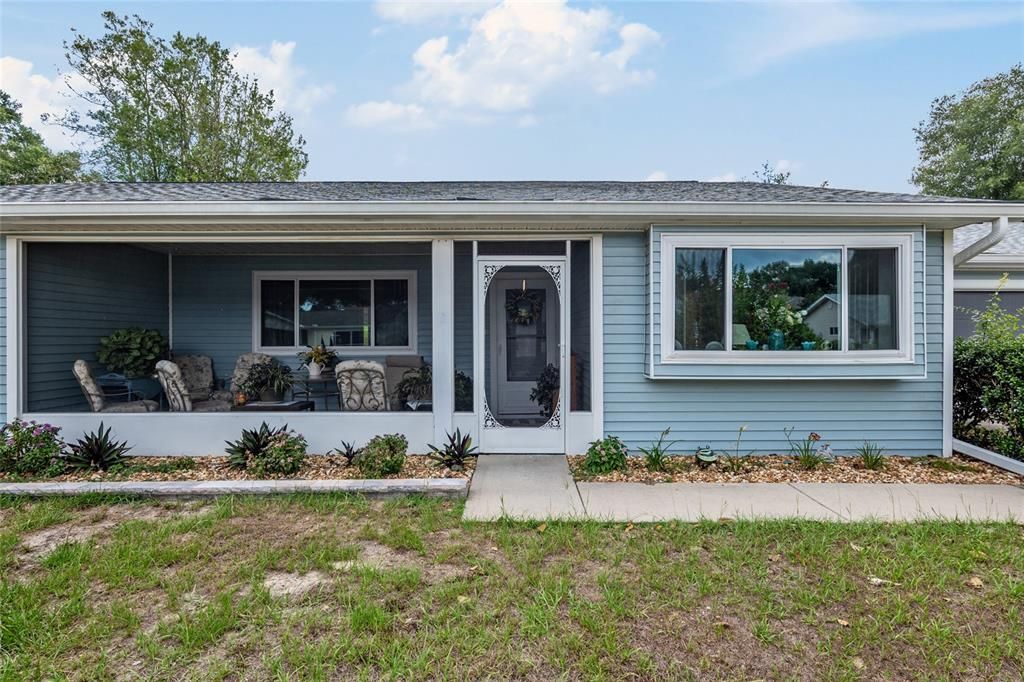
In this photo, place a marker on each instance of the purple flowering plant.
(30, 448)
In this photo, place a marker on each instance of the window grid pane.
(277, 314)
(874, 299)
(700, 299)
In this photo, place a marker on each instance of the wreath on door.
(524, 307)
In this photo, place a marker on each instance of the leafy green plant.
(734, 461)
(416, 384)
(96, 451)
(252, 444)
(806, 451)
(347, 450)
(273, 377)
(463, 392)
(382, 456)
(605, 456)
(132, 352)
(656, 457)
(30, 448)
(455, 452)
(321, 355)
(871, 456)
(545, 393)
(284, 456)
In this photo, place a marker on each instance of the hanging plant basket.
(524, 307)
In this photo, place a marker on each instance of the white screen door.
(520, 352)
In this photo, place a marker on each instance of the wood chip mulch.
(215, 468)
(783, 469)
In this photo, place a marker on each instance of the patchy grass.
(325, 587)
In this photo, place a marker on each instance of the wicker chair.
(98, 400)
(178, 398)
(362, 386)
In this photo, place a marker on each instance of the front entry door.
(520, 345)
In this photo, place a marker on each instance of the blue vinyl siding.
(213, 302)
(904, 416)
(77, 293)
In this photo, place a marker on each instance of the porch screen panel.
(391, 312)
(874, 299)
(462, 325)
(579, 327)
(277, 314)
(335, 313)
(700, 299)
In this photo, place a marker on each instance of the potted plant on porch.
(268, 381)
(545, 394)
(317, 359)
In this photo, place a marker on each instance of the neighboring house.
(976, 279)
(822, 317)
(551, 313)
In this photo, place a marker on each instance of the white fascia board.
(509, 209)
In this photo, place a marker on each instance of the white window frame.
(333, 275)
(903, 242)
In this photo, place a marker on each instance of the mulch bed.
(316, 467)
(783, 469)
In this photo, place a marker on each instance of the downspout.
(994, 236)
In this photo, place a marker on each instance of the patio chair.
(362, 386)
(243, 365)
(98, 400)
(197, 371)
(178, 398)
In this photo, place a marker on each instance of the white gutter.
(995, 235)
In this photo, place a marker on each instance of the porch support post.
(443, 305)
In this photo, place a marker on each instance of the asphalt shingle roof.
(690, 191)
(1011, 245)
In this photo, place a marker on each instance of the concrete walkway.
(540, 487)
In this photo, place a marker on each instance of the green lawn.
(333, 587)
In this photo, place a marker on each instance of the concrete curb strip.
(433, 487)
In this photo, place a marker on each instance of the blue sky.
(623, 91)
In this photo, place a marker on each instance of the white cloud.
(275, 71)
(724, 177)
(796, 28)
(517, 52)
(656, 176)
(390, 114)
(413, 12)
(40, 95)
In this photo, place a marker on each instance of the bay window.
(368, 311)
(786, 298)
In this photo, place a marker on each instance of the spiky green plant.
(871, 456)
(455, 452)
(253, 443)
(656, 457)
(347, 450)
(96, 451)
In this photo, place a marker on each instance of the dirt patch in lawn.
(292, 585)
(784, 469)
(216, 468)
(95, 522)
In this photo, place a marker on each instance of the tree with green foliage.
(972, 144)
(24, 157)
(176, 110)
(769, 175)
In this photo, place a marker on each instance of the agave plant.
(455, 452)
(96, 451)
(349, 451)
(252, 444)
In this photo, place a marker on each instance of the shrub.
(253, 443)
(605, 456)
(455, 452)
(284, 456)
(30, 448)
(132, 352)
(656, 457)
(97, 451)
(988, 379)
(871, 456)
(382, 456)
